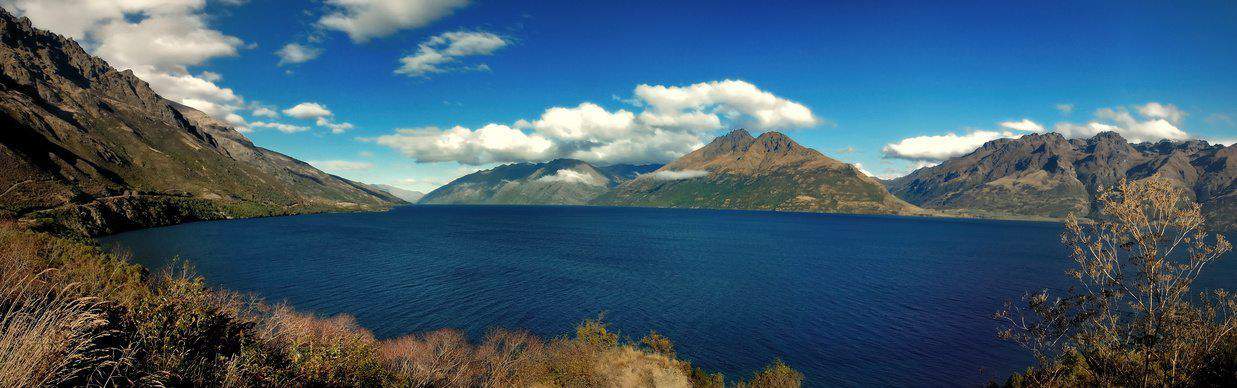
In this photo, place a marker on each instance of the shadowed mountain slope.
(93, 150)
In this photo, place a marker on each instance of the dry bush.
(1132, 320)
(511, 359)
(333, 351)
(658, 343)
(775, 375)
(441, 358)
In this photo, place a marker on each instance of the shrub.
(776, 375)
(658, 343)
(1131, 320)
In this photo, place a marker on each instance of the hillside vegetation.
(73, 315)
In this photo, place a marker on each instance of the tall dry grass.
(48, 336)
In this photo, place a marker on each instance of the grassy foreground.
(73, 315)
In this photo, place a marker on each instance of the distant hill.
(410, 196)
(1050, 176)
(557, 182)
(93, 150)
(770, 172)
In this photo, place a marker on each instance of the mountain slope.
(557, 182)
(406, 195)
(1049, 176)
(95, 150)
(771, 172)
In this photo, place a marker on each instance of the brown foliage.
(1131, 319)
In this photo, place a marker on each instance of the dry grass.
(47, 337)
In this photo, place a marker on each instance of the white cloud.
(1155, 110)
(673, 121)
(336, 128)
(265, 112)
(436, 54)
(363, 20)
(158, 40)
(687, 105)
(1065, 109)
(281, 127)
(1025, 125)
(1158, 122)
(672, 175)
(1223, 141)
(940, 147)
(572, 176)
(340, 165)
(492, 143)
(293, 53)
(308, 110)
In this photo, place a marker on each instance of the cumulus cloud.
(293, 53)
(281, 127)
(265, 112)
(572, 176)
(492, 143)
(671, 121)
(1158, 121)
(440, 52)
(1024, 125)
(335, 127)
(340, 165)
(936, 148)
(308, 110)
(696, 106)
(157, 40)
(1065, 109)
(1155, 110)
(363, 20)
(673, 175)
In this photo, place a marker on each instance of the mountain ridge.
(1047, 175)
(92, 150)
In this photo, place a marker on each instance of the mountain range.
(93, 150)
(1047, 175)
(735, 171)
(557, 182)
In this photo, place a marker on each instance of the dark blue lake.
(848, 300)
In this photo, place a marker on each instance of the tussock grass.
(73, 315)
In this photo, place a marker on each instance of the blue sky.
(885, 83)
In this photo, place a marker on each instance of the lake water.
(847, 300)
